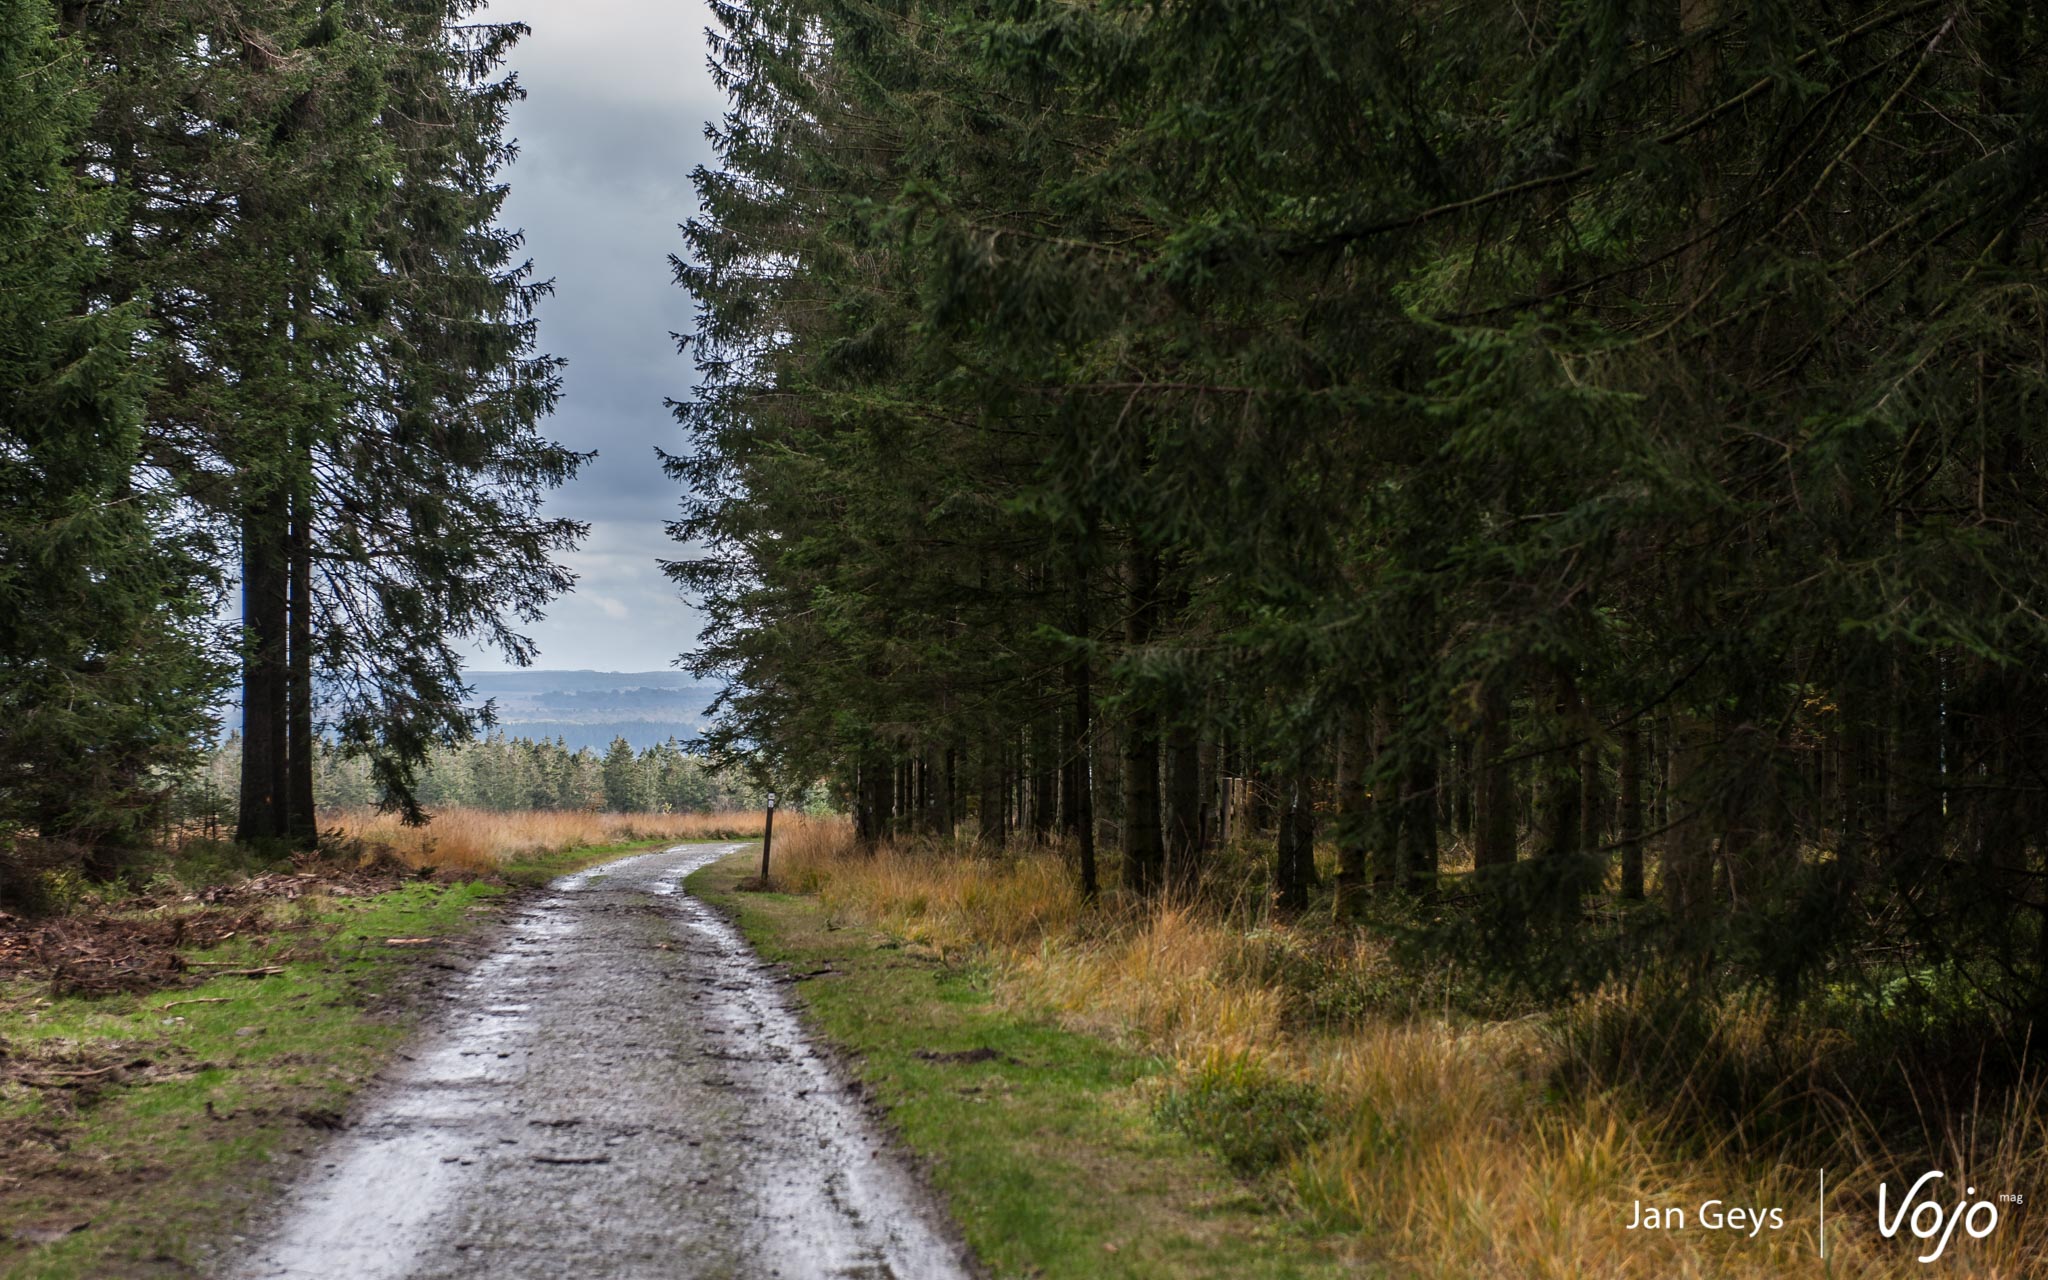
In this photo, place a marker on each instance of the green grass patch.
(1239, 1111)
(1043, 1142)
(213, 1083)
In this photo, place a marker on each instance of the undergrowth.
(1457, 1130)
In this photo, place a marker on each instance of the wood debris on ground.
(136, 945)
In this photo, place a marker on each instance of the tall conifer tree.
(107, 667)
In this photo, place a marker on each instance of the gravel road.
(619, 1090)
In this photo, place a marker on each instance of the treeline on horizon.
(261, 334)
(504, 774)
(1584, 461)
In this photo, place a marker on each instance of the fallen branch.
(202, 1000)
(71, 1079)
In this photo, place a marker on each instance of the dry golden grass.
(481, 840)
(1447, 1154)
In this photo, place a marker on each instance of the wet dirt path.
(619, 1090)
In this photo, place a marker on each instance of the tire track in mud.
(620, 1089)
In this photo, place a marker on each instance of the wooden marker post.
(767, 839)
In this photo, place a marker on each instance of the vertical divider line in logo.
(1823, 1213)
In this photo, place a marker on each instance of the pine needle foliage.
(1583, 455)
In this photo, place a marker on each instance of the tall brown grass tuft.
(1445, 1148)
(481, 840)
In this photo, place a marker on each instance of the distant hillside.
(590, 708)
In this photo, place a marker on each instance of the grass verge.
(1042, 1140)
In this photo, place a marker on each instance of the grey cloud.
(610, 130)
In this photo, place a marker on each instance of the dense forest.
(1579, 461)
(260, 334)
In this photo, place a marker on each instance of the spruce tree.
(107, 665)
(1428, 410)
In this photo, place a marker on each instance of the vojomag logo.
(1928, 1220)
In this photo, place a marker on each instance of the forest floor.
(166, 1057)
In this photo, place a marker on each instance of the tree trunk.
(1592, 800)
(1014, 779)
(1078, 803)
(1462, 785)
(1044, 779)
(1630, 817)
(302, 825)
(1384, 848)
(265, 605)
(1144, 851)
(1687, 868)
(1106, 776)
(871, 791)
(1354, 815)
(994, 788)
(1073, 756)
(931, 779)
(1208, 818)
(1078, 777)
(1259, 798)
(1294, 851)
(1494, 800)
(1419, 824)
(1563, 790)
(948, 792)
(1183, 835)
(905, 821)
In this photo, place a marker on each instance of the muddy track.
(620, 1089)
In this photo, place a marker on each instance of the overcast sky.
(612, 125)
